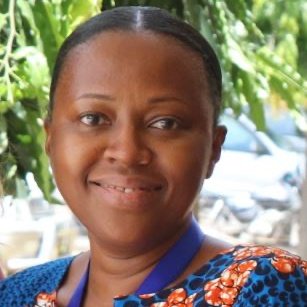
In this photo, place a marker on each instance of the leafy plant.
(31, 33)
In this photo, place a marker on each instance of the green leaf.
(257, 114)
(37, 70)
(2, 20)
(3, 135)
(237, 56)
(27, 11)
(23, 52)
(11, 172)
(79, 11)
(4, 105)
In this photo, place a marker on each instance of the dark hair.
(137, 18)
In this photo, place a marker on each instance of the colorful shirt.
(242, 276)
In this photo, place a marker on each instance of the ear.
(218, 140)
(47, 140)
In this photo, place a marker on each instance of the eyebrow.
(166, 99)
(96, 96)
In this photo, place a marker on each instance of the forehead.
(140, 41)
(142, 57)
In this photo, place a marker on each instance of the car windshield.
(238, 137)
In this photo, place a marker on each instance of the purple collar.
(171, 265)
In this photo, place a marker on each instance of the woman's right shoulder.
(22, 287)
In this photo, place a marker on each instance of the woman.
(132, 132)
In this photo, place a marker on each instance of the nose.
(127, 147)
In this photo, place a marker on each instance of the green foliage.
(31, 33)
(283, 24)
(260, 44)
(254, 71)
(174, 6)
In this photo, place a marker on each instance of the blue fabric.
(175, 261)
(78, 295)
(243, 276)
(21, 289)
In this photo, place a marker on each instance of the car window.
(240, 138)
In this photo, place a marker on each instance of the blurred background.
(258, 190)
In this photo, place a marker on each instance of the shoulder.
(269, 258)
(22, 287)
(259, 276)
(240, 276)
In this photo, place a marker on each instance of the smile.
(128, 190)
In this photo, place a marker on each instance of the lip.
(128, 192)
(129, 189)
(120, 183)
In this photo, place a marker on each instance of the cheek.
(186, 163)
(69, 157)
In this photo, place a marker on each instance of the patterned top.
(243, 276)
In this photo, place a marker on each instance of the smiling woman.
(132, 132)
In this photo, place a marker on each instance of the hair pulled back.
(138, 18)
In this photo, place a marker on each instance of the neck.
(119, 273)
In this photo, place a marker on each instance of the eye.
(165, 124)
(94, 119)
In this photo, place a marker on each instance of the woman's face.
(131, 137)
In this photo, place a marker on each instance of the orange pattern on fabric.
(46, 299)
(304, 266)
(177, 298)
(224, 290)
(282, 260)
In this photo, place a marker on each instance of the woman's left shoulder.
(277, 259)
(243, 275)
(258, 275)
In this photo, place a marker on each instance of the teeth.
(121, 189)
(128, 190)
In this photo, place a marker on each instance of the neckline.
(170, 266)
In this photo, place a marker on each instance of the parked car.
(285, 131)
(32, 231)
(254, 171)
